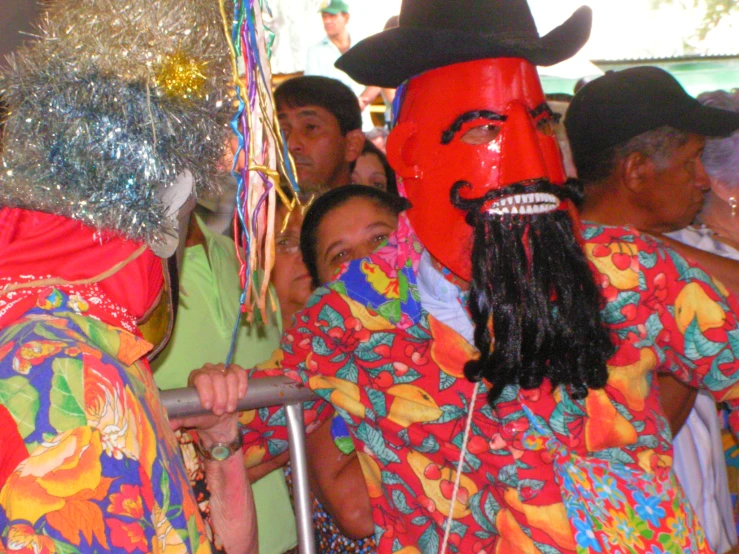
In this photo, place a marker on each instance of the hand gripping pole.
(263, 393)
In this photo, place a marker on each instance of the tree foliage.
(715, 11)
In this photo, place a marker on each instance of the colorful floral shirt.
(99, 467)
(543, 472)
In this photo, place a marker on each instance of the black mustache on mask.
(571, 190)
(533, 299)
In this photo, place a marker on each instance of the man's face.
(485, 122)
(334, 24)
(676, 190)
(316, 144)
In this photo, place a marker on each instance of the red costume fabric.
(394, 373)
(87, 461)
(36, 246)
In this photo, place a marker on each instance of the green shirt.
(207, 311)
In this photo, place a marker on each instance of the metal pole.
(263, 393)
(301, 489)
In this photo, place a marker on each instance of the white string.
(465, 438)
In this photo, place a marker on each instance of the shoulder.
(594, 234)
(319, 46)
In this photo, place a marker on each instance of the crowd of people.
(511, 351)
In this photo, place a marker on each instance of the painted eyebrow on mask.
(453, 129)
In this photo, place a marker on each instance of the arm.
(388, 94)
(312, 353)
(231, 499)
(724, 269)
(257, 472)
(676, 399)
(338, 483)
(368, 96)
(697, 329)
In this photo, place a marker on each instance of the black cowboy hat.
(435, 33)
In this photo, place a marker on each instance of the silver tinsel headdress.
(113, 103)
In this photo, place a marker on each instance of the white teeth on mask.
(526, 204)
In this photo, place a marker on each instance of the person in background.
(378, 137)
(207, 312)
(322, 126)
(717, 224)
(341, 510)
(716, 230)
(372, 169)
(322, 55)
(637, 139)
(559, 103)
(347, 224)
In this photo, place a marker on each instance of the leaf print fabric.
(544, 472)
(100, 470)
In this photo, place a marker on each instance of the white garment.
(320, 61)
(442, 299)
(699, 456)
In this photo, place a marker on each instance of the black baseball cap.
(620, 105)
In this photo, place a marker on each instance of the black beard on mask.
(533, 300)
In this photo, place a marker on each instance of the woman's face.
(369, 171)
(351, 231)
(290, 277)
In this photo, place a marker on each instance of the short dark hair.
(658, 144)
(370, 148)
(330, 201)
(324, 92)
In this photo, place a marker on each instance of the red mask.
(485, 122)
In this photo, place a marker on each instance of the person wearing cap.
(321, 56)
(637, 139)
(496, 384)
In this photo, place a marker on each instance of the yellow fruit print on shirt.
(513, 540)
(693, 302)
(631, 380)
(438, 485)
(411, 405)
(372, 474)
(615, 261)
(450, 350)
(604, 426)
(551, 518)
(345, 394)
(368, 321)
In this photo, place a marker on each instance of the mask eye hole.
(545, 127)
(481, 134)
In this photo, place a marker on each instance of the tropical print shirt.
(543, 472)
(94, 465)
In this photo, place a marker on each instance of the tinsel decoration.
(260, 144)
(110, 104)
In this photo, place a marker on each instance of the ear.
(635, 172)
(354, 141)
(399, 150)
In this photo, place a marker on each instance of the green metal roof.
(696, 73)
